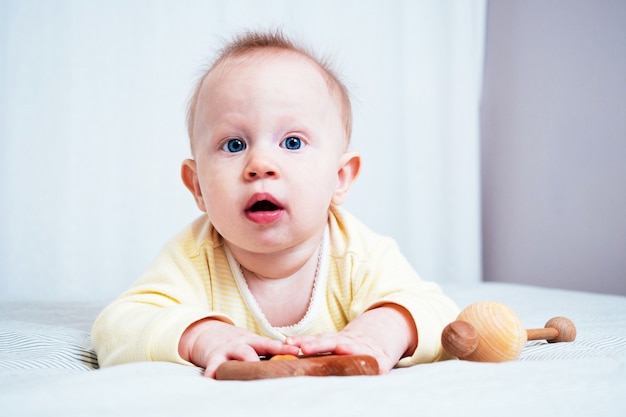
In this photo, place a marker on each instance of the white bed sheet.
(583, 378)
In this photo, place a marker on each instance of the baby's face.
(269, 144)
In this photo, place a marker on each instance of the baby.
(274, 266)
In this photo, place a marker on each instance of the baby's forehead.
(220, 76)
(275, 56)
(243, 67)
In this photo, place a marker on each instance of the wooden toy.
(287, 365)
(489, 331)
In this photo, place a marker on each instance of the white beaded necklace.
(319, 288)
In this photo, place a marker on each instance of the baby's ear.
(349, 168)
(189, 174)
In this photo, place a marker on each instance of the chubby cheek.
(218, 196)
(316, 189)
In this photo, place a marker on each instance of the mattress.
(48, 368)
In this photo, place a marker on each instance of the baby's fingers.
(273, 347)
(300, 340)
(318, 344)
(247, 352)
(239, 353)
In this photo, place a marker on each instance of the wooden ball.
(501, 334)
(459, 339)
(565, 327)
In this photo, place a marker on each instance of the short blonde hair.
(251, 42)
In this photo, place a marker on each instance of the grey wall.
(554, 144)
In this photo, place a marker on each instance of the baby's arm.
(387, 333)
(209, 343)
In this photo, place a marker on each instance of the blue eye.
(234, 146)
(292, 143)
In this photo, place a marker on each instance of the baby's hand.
(343, 343)
(209, 343)
(387, 333)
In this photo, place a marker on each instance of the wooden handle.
(330, 365)
(541, 334)
(557, 329)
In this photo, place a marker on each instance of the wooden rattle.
(287, 365)
(489, 331)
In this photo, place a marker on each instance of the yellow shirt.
(196, 277)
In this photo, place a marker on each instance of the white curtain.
(92, 107)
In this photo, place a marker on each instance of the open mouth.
(263, 205)
(264, 210)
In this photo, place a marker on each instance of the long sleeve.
(397, 283)
(146, 322)
(372, 271)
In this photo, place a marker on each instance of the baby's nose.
(253, 173)
(260, 165)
